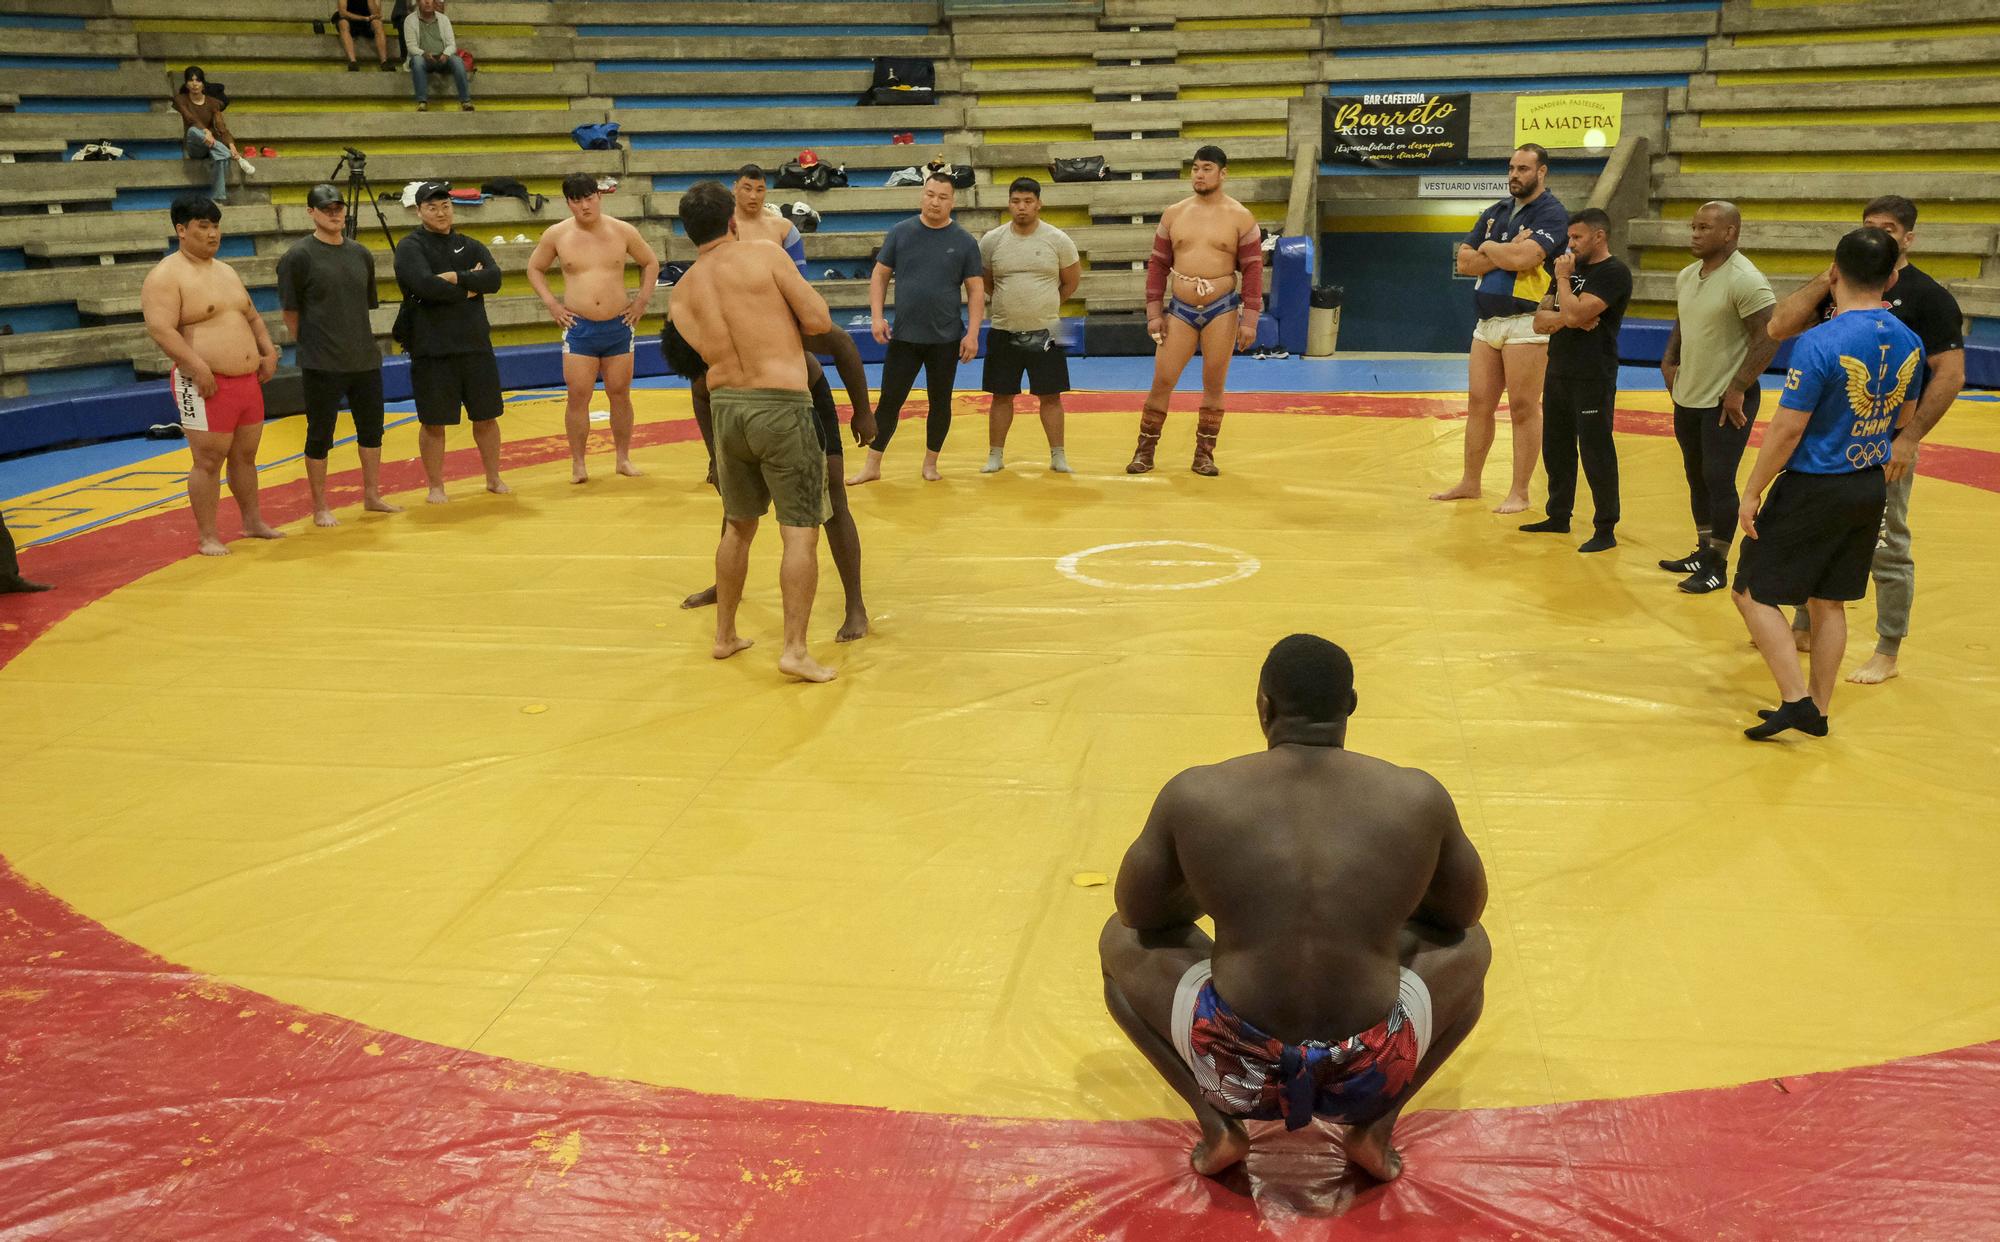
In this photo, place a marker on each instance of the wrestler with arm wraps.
(1204, 287)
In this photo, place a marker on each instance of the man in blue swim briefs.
(1204, 289)
(595, 313)
(1348, 962)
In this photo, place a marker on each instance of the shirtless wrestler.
(199, 314)
(843, 537)
(756, 222)
(595, 314)
(744, 308)
(1204, 287)
(1348, 961)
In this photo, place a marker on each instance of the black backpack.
(901, 80)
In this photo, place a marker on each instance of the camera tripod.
(359, 191)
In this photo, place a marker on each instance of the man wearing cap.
(444, 276)
(326, 286)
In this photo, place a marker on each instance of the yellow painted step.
(1944, 114)
(1959, 30)
(1824, 212)
(1844, 161)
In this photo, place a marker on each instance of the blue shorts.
(597, 338)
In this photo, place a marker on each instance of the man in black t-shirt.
(1580, 315)
(326, 286)
(1927, 309)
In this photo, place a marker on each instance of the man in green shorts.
(744, 309)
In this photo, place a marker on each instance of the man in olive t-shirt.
(1719, 348)
(326, 287)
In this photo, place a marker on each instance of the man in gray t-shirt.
(326, 287)
(931, 258)
(1033, 267)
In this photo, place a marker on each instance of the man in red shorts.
(1343, 889)
(198, 312)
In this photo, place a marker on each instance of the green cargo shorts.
(767, 453)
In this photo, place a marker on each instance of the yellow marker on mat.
(534, 709)
(1089, 879)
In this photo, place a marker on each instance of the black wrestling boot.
(1713, 568)
(1687, 564)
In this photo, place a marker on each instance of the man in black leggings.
(931, 258)
(843, 537)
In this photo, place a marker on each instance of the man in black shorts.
(1032, 267)
(445, 277)
(1927, 309)
(352, 18)
(843, 537)
(1580, 316)
(1853, 381)
(326, 285)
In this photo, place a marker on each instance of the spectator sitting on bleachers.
(207, 131)
(397, 17)
(366, 14)
(428, 39)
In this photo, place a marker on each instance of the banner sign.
(1395, 131)
(1589, 122)
(1471, 185)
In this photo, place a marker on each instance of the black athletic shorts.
(1815, 538)
(441, 384)
(325, 390)
(1047, 369)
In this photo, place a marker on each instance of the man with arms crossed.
(445, 277)
(755, 222)
(1343, 889)
(326, 284)
(1040, 268)
(1507, 253)
(843, 537)
(1853, 382)
(1927, 309)
(596, 316)
(1719, 347)
(931, 258)
(1204, 287)
(199, 314)
(744, 307)
(1580, 315)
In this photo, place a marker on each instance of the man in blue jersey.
(1854, 381)
(1508, 252)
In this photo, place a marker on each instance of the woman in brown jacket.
(208, 135)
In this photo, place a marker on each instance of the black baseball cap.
(430, 190)
(322, 196)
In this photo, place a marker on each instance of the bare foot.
(1878, 669)
(1464, 491)
(375, 504)
(262, 530)
(499, 488)
(931, 474)
(211, 546)
(700, 599)
(856, 626)
(1513, 504)
(630, 471)
(322, 517)
(868, 474)
(1218, 1153)
(1802, 639)
(805, 668)
(578, 473)
(726, 647)
(1368, 1149)
(436, 497)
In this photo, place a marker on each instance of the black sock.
(1801, 714)
(1599, 542)
(1548, 526)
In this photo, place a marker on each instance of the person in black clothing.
(11, 581)
(1580, 315)
(444, 276)
(1926, 308)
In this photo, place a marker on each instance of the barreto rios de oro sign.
(1589, 122)
(1395, 131)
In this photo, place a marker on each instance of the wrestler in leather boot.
(1206, 431)
(1150, 424)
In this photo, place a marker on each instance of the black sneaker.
(1686, 565)
(1703, 580)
